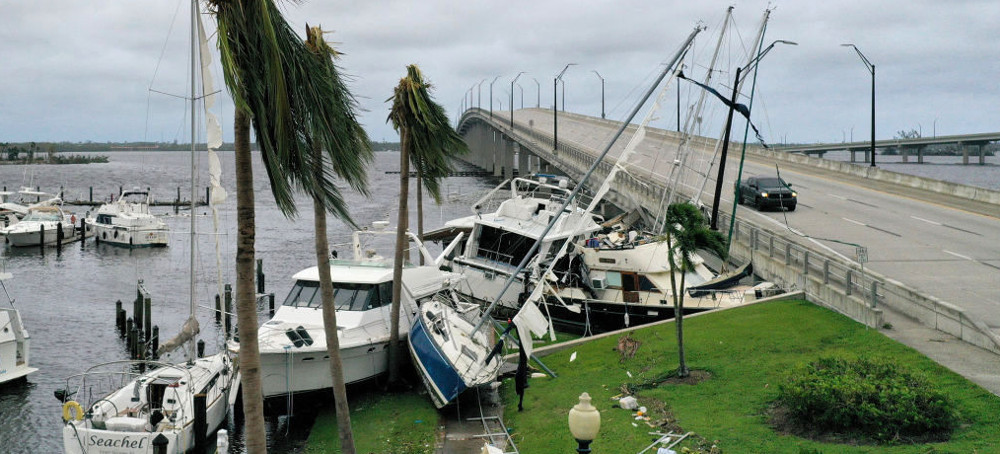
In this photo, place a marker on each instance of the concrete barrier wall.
(876, 173)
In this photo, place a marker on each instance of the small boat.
(10, 212)
(14, 341)
(126, 410)
(450, 355)
(293, 348)
(41, 225)
(126, 221)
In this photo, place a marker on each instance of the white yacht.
(293, 349)
(126, 221)
(41, 226)
(14, 342)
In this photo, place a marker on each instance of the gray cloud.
(80, 70)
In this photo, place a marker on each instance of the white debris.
(572, 357)
(628, 403)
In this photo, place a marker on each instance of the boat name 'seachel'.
(123, 442)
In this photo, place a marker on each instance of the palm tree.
(426, 139)
(685, 232)
(295, 104)
(319, 47)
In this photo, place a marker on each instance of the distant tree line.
(21, 150)
(41, 153)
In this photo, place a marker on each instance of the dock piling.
(260, 275)
(119, 318)
(200, 423)
(270, 303)
(147, 316)
(218, 309)
(229, 309)
(155, 339)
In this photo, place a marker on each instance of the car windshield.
(770, 183)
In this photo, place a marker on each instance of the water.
(67, 300)
(947, 168)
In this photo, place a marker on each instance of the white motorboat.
(130, 406)
(508, 222)
(41, 225)
(14, 341)
(449, 355)
(293, 348)
(126, 221)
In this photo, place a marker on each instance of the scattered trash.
(489, 449)
(572, 357)
(642, 410)
(629, 374)
(419, 421)
(665, 451)
(538, 375)
(628, 403)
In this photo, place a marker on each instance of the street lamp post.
(713, 224)
(512, 98)
(584, 423)
(602, 92)
(491, 96)
(555, 107)
(538, 86)
(479, 96)
(521, 90)
(871, 68)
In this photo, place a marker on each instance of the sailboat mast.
(194, 54)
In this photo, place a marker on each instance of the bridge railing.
(846, 286)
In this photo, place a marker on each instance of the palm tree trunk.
(420, 209)
(330, 318)
(246, 301)
(682, 369)
(397, 269)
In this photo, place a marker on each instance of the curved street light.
(871, 68)
(555, 107)
(538, 86)
(512, 99)
(602, 91)
(491, 95)
(479, 97)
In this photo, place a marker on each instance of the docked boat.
(126, 221)
(42, 225)
(293, 349)
(14, 341)
(447, 350)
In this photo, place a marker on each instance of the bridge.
(971, 144)
(862, 240)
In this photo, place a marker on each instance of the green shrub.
(867, 396)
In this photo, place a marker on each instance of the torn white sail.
(529, 320)
(188, 332)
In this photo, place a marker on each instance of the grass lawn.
(746, 352)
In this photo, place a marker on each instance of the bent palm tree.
(295, 104)
(326, 54)
(425, 138)
(685, 232)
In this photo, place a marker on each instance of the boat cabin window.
(346, 296)
(646, 285)
(42, 216)
(614, 279)
(104, 219)
(500, 246)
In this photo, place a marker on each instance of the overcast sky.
(78, 71)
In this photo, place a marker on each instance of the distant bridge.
(971, 144)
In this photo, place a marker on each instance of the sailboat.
(446, 342)
(132, 406)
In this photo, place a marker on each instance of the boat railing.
(496, 257)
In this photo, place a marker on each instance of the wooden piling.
(260, 275)
(160, 444)
(229, 309)
(147, 316)
(155, 339)
(270, 303)
(218, 309)
(137, 310)
(200, 423)
(119, 321)
(91, 194)
(201, 348)
(59, 237)
(41, 237)
(128, 336)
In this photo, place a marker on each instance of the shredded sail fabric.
(217, 194)
(188, 332)
(529, 320)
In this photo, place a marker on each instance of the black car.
(767, 192)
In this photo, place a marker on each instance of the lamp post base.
(583, 446)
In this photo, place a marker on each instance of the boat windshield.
(346, 296)
(39, 216)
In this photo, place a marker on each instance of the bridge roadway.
(939, 245)
(914, 146)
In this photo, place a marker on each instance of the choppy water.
(67, 300)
